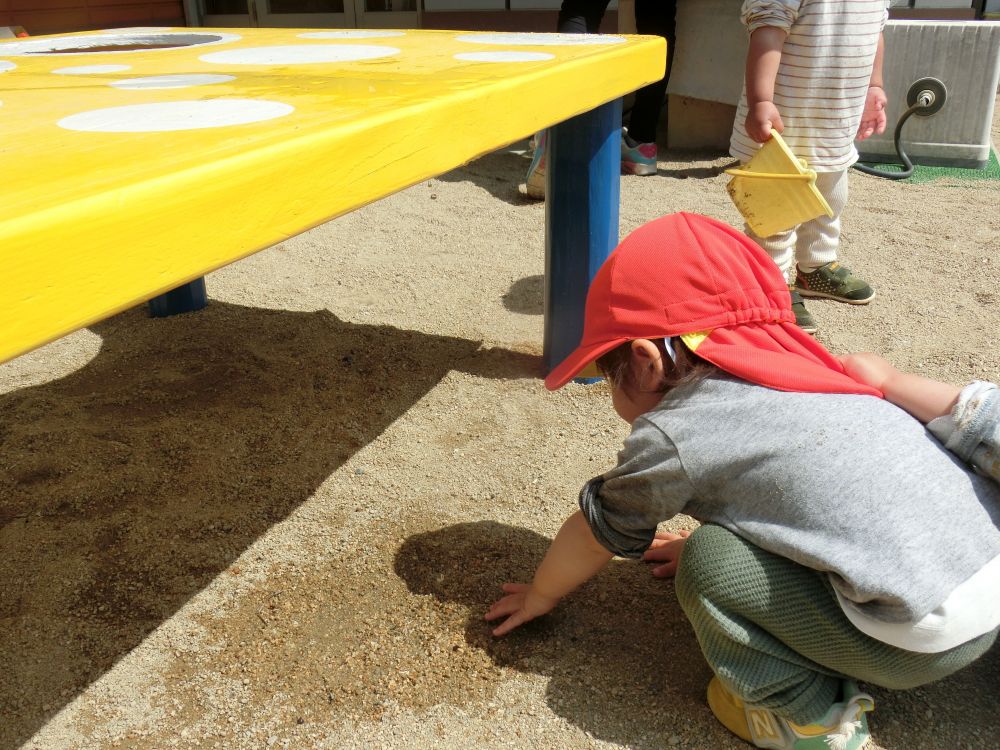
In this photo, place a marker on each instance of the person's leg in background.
(584, 17)
(658, 18)
(575, 17)
(581, 16)
(818, 274)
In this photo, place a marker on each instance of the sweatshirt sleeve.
(649, 485)
(779, 13)
(972, 430)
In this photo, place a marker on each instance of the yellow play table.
(136, 161)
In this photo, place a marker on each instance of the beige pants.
(813, 243)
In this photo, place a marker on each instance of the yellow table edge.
(71, 265)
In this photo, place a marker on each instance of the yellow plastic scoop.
(776, 191)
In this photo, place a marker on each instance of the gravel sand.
(278, 522)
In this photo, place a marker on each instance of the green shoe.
(803, 318)
(843, 727)
(834, 281)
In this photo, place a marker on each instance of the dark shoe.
(803, 319)
(834, 281)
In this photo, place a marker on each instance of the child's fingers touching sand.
(666, 549)
(520, 605)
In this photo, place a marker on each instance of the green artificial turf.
(928, 174)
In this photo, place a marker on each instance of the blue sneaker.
(637, 158)
(535, 181)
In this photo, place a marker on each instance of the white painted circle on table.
(178, 81)
(85, 70)
(132, 42)
(301, 54)
(541, 40)
(5, 66)
(350, 34)
(161, 117)
(504, 56)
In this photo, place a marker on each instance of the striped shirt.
(822, 81)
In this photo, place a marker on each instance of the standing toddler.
(813, 74)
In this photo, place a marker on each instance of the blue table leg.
(186, 298)
(583, 164)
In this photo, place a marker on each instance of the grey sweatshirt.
(848, 485)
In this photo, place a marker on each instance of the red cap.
(684, 273)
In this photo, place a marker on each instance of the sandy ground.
(277, 522)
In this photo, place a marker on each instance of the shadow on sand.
(622, 643)
(618, 643)
(500, 173)
(526, 296)
(130, 484)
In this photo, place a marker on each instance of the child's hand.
(868, 368)
(666, 548)
(521, 604)
(873, 117)
(762, 118)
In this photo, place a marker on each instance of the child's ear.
(646, 364)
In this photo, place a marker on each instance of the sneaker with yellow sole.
(843, 727)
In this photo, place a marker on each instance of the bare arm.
(763, 58)
(876, 77)
(573, 558)
(873, 117)
(924, 398)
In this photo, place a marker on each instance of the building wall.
(57, 16)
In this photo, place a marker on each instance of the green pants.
(774, 633)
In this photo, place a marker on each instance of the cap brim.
(582, 362)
